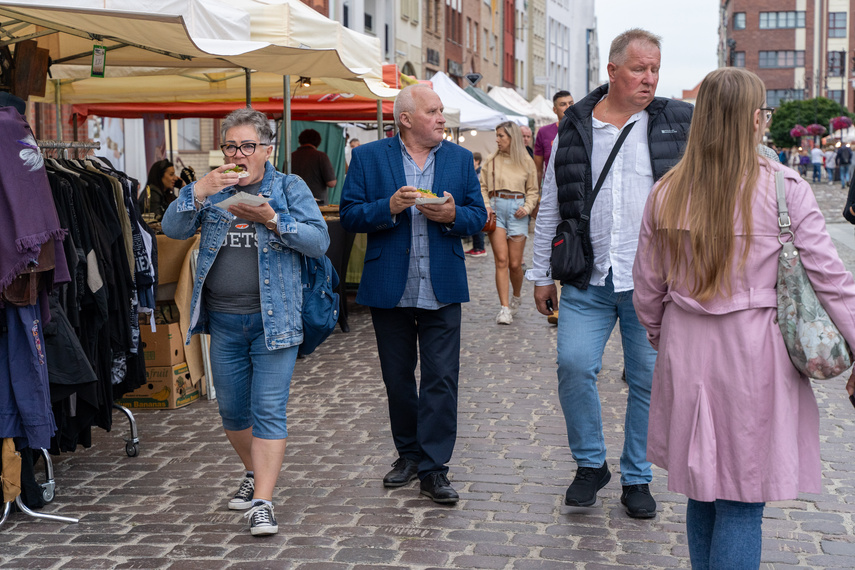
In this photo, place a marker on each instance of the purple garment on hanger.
(29, 219)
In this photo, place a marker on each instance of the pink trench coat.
(730, 417)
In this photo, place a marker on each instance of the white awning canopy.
(473, 114)
(513, 100)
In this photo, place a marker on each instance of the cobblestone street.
(166, 508)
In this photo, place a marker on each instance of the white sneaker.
(504, 317)
(515, 305)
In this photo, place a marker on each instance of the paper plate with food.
(239, 170)
(428, 197)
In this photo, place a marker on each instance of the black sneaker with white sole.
(243, 498)
(261, 521)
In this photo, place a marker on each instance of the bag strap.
(586, 213)
(783, 213)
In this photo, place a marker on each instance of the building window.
(836, 95)
(739, 59)
(739, 21)
(837, 24)
(774, 20)
(836, 63)
(774, 97)
(475, 39)
(369, 22)
(189, 134)
(790, 58)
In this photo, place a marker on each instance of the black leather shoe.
(403, 471)
(582, 492)
(638, 501)
(437, 487)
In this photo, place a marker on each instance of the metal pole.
(379, 120)
(248, 87)
(169, 122)
(286, 125)
(58, 100)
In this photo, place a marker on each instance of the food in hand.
(239, 170)
(427, 193)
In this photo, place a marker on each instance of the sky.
(689, 31)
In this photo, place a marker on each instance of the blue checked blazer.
(376, 172)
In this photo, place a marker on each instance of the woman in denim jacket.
(247, 295)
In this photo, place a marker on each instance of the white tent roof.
(544, 107)
(473, 114)
(513, 100)
(193, 37)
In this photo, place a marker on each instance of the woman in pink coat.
(731, 419)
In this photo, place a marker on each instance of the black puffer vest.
(668, 130)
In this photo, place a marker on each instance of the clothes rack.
(131, 443)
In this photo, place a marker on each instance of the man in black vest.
(591, 306)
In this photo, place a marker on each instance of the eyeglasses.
(247, 149)
(768, 111)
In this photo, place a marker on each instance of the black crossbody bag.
(572, 253)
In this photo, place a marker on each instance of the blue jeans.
(817, 171)
(505, 209)
(252, 382)
(478, 241)
(844, 175)
(724, 534)
(587, 320)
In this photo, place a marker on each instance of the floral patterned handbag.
(815, 345)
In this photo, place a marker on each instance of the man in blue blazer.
(414, 278)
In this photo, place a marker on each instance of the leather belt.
(510, 195)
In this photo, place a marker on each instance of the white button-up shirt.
(616, 214)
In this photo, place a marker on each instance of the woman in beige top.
(509, 189)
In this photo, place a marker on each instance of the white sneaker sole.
(240, 505)
(264, 530)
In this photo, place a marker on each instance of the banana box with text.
(167, 388)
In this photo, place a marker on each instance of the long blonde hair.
(517, 150)
(697, 200)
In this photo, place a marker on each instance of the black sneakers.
(638, 501)
(243, 498)
(403, 471)
(582, 492)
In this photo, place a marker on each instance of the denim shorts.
(252, 382)
(505, 209)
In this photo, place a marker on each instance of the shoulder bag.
(572, 253)
(814, 343)
(490, 226)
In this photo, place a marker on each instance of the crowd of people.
(674, 203)
(835, 160)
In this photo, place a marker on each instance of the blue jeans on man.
(844, 174)
(817, 171)
(586, 323)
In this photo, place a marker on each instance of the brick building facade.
(800, 48)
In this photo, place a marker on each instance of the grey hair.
(617, 51)
(251, 117)
(404, 102)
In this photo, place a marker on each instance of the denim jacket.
(302, 230)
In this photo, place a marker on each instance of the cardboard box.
(170, 257)
(168, 388)
(165, 347)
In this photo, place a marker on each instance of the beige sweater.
(509, 177)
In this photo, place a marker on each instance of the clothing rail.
(68, 144)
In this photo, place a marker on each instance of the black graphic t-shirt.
(232, 282)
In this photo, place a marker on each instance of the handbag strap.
(783, 213)
(586, 213)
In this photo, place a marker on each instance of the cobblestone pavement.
(167, 507)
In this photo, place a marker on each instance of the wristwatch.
(272, 223)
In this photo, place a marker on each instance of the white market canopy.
(544, 107)
(473, 114)
(513, 100)
(200, 42)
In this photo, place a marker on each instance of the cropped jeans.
(724, 535)
(586, 321)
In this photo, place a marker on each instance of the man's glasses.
(768, 111)
(247, 149)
